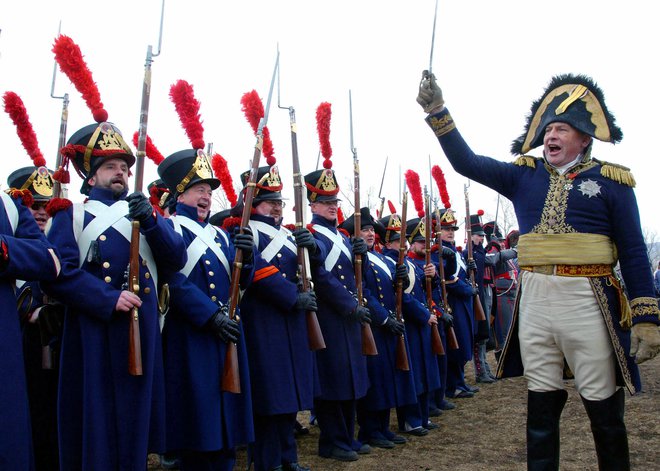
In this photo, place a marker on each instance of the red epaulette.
(291, 227)
(343, 231)
(310, 228)
(28, 199)
(231, 223)
(55, 205)
(434, 248)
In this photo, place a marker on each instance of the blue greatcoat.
(28, 259)
(588, 199)
(342, 368)
(388, 387)
(459, 295)
(200, 416)
(423, 361)
(108, 419)
(281, 364)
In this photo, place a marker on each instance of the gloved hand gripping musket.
(401, 355)
(436, 340)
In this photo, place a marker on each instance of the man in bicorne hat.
(578, 216)
(342, 368)
(388, 386)
(41, 324)
(108, 418)
(204, 423)
(24, 254)
(274, 315)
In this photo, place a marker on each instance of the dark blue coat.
(424, 361)
(590, 199)
(29, 259)
(388, 387)
(109, 419)
(342, 368)
(200, 416)
(281, 364)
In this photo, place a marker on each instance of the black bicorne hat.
(448, 219)
(322, 185)
(366, 219)
(572, 99)
(416, 230)
(39, 180)
(268, 184)
(492, 231)
(92, 145)
(218, 218)
(390, 228)
(186, 168)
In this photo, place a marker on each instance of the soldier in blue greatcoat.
(108, 418)
(204, 423)
(388, 386)
(578, 216)
(273, 312)
(342, 368)
(25, 254)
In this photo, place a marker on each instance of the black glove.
(472, 265)
(224, 327)
(139, 207)
(245, 242)
(394, 326)
(359, 246)
(360, 314)
(305, 239)
(51, 320)
(306, 301)
(402, 274)
(475, 290)
(448, 319)
(448, 253)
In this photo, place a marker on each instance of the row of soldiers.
(110, 419)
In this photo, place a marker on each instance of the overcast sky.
(492, 59)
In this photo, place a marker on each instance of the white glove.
(645, 343)
(430, 95)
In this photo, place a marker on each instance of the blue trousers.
(274, 443)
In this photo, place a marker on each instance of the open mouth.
(553, 148)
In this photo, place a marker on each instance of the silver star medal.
(589, 188)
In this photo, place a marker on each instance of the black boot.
(543, 413)
(609, 431)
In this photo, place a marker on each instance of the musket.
(368, 342)
(479, 315)
(231, 375)
(315, 339)
(401, 355)
(58, 191)
(436, 340)
(134, 343)
(452, 341)
(380, 190)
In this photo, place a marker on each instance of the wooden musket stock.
(401, 357)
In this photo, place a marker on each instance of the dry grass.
(487, 432)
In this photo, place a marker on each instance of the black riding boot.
(543, 413)
(609, 431)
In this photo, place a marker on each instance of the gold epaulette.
(616, 172)
(526, 160)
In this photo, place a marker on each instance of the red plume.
(439, 178)
(415, 187)
(254, 111)
(391, 206)
(340, 216)
(16, 110)
(187, 107)
(221, 170)
(323, 115)
(480, 212)
(151, 150)
(70, 59)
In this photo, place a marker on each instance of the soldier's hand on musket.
(305, 239)
(224, 327)
(429, 270)
(433, 319)
(645, 342)
(245, 242)
(448, 319)
(430, 94)
(448, 253)
(359, 246)
(394, 326)
(127, 301)
(306, 301)
(471, 265)
(402, 274)
(139, 207)
(360, 314)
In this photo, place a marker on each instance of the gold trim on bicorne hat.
(110, 140)
(326, 184)
(448, 219)
(270, 181)
(393, 226)
(41, 182)
(201, 168)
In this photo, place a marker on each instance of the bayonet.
(380, 190)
